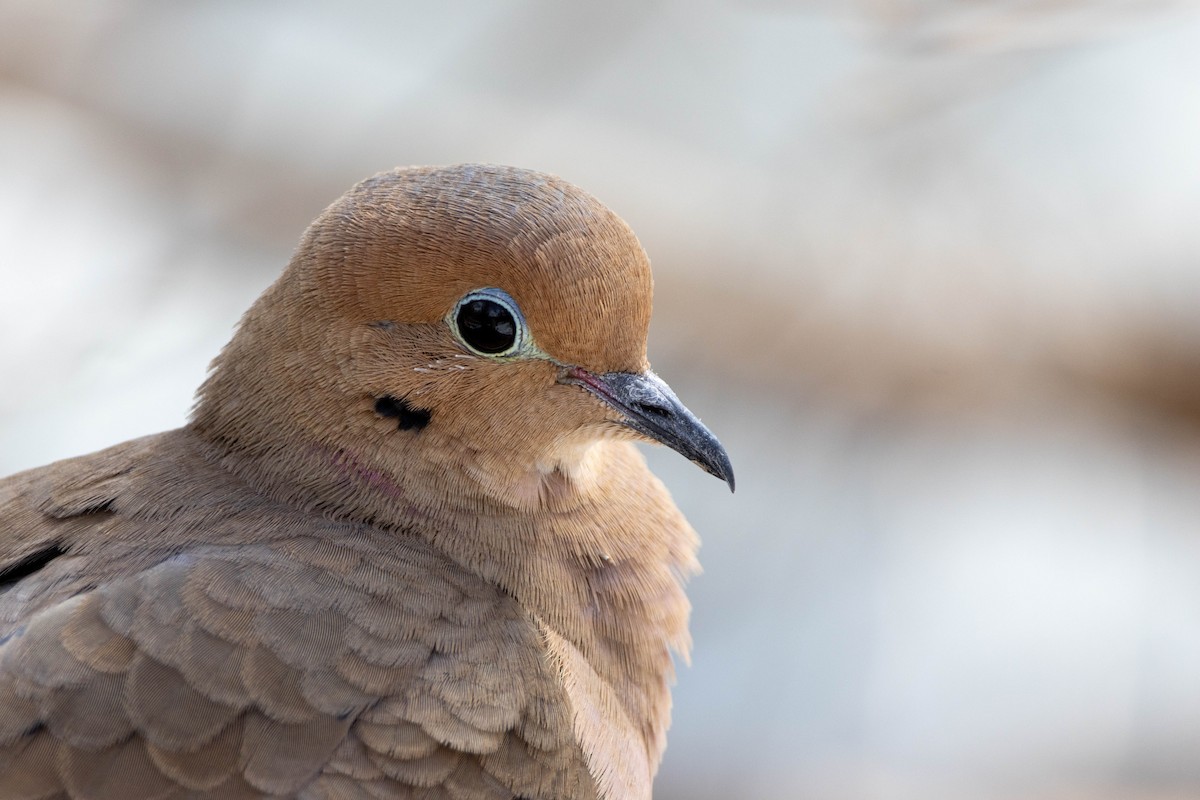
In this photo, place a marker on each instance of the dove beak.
(648, 406)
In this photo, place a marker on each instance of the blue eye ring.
(488, 322)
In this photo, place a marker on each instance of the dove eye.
(489, 322)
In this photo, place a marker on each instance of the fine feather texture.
(293, 597)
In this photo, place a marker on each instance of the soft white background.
(930, 269)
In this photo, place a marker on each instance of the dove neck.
(367, 482)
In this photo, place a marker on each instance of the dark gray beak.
(649, 406)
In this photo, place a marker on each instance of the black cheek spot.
(415, 419)
(410, 418)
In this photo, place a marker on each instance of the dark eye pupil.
(487, 326)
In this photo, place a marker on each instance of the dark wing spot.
(102, 507)
(410, 418)
(13, 573)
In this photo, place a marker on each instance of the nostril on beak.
(658, 411)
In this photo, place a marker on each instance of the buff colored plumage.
(385, 559)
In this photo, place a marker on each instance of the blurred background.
(929, 268)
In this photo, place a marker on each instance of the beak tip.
(728, 477)
(719, 466)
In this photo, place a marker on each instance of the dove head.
(468, 333)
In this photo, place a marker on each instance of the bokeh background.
(930, 268)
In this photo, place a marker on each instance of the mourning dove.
(405, 546)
